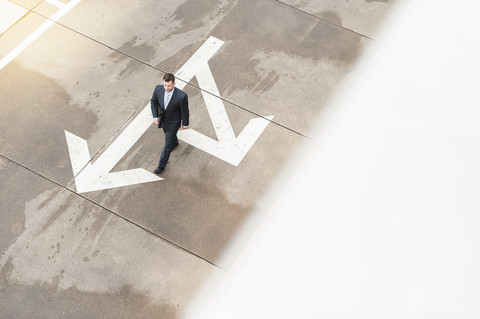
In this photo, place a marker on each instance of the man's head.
(168, 81)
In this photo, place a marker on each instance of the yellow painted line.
(37, 33)
(9, 14)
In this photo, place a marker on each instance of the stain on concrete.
(195, 14)
(273, 28)
(37, 204)
(35, 112)
(190, 21)
(46, 301)
(267, 82)
(362, 16)
(24, 196)
(173, 63)
(143, 51)
(296, 76)
(11, 202)
(199, 217)
(52, 218)
(140, 49)
(6, 272)
(95, 254)
(330, 16)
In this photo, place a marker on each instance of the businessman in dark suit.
(173, 102)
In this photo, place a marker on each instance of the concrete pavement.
(143, 250)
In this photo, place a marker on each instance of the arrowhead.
(78, 150)
(92, 177)
(246, 139)
(229, 150)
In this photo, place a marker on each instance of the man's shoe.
(158, 170)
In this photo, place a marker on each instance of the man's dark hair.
(169, 77)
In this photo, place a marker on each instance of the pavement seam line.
(189, 53)
(325, 20)
(28, 11)
(65, 188)
(108, 142)
(40, 212)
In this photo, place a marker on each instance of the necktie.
(167, 98)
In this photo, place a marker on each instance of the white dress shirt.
(167, 97)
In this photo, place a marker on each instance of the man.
(174, 104)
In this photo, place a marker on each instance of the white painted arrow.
(97, 176)
(229, 148)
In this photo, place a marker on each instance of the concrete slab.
(283, 62)
(156, 32)
(80, 261)
(363, 17)
(24, 195)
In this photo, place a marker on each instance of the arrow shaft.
(198, 61)
(124, 142)
(215, 107)
(78, 151)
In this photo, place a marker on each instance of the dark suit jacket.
(177, 110)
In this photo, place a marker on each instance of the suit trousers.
(171, 141)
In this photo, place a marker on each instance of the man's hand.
(156, 120)
(184, 127)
